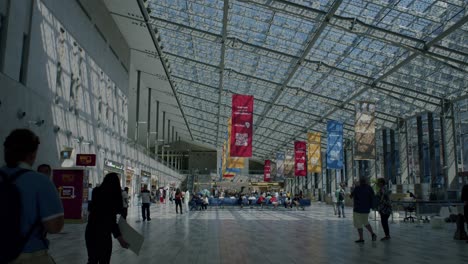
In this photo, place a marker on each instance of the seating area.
(247, 202)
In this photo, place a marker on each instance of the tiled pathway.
(233, 235)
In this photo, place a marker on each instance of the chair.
(409, 208)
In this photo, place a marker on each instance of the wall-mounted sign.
(258, 184)
(65, 154)
(113, 165)
(72, 186)
(86, 160)
(145, 173)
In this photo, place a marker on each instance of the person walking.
(334, 202)
(30, 206)
(363, 195)
(178, 201)
(340, 200)
(145, 203)
(384, 207)
(102, 221)
(125, 203)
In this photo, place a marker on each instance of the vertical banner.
(242, 126)
(364, 131)
(288, 164)
(232, 164)
(267, 171)
(334, 145)
(280, 165)
(314, 152)
(300, 162)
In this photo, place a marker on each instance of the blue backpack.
(13, 241)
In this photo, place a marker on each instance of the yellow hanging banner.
(233, 162)
(314, 152)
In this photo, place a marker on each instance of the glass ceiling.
(308, 61)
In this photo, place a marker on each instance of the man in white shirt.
(125, 203)
(90, 193)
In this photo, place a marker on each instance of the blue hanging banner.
(334, 145)
(280, 165)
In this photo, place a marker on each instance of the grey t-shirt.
(145, 196)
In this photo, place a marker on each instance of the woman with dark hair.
(102, 221)
(178, 201)
(384, 207)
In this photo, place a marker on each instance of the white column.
(403, 152)
(450, 146)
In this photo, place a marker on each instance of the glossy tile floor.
(233, 235)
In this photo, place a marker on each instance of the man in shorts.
(363, 195)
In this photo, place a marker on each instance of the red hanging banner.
(242, 125)
(267, 171)
(300, 168)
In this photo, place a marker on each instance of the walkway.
(267, 236)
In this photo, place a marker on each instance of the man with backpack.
(29, 203)
(340, 199)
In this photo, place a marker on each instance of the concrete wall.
(202, 160)
(73, 81)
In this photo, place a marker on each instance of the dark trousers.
(178, 203)
(145, 211)
(384, 221)
(99, 245)
(124, 213)
(466, 213)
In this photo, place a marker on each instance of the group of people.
(24, 226)
(33, 208)
(199, 202)
(266, 198)
(364, 200)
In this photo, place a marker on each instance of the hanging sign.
(334, 145)
(233, 162)
(267, 171)
(280, 165)
(314, 152)
(300, 158)
(364, 131)
(288, 164)
(88, 160)
(242, 126)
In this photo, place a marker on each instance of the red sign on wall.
(300, 161)
(71, 184)
(242, 126)
(267, 171)
(86, 160)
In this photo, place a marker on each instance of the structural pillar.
(450, 150)
(420, 177)
(163, 137)
(156, 142)
(148, 121)
(403, 151)
(137, 106)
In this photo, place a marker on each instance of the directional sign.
(67, 192)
